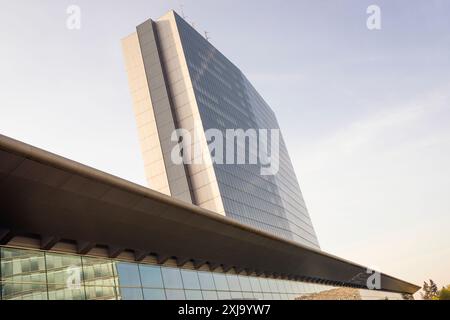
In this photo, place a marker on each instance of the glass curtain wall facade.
(36, 275)
(227, 100)
(178, 80)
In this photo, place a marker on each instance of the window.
(130, 294)
(256, 286)
(281, 286)
(65, 277)
(245, 283)
(209, 295)
(248, 295)
(99, 278)
(264, 284)
(154, 294)
(224, 295)
(273, 285)
(236, 295)
(128, 275)
(267, 296)
(206, 281)
(233, 282)
(221, 282)
(193, 295)
(173, 294)
(190, 279)
(151, 276)
(172, 278)
(23, 275)
(258, 296)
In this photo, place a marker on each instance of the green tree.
(444, 294)
(430, 291)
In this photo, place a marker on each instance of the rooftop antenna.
(207, 36)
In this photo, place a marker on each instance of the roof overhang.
(45, 195)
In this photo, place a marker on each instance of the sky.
(365, 113)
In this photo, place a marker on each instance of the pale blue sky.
(366, 114)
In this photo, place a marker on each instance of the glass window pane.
(256, 286)
(284, 296)
(245, 283)
(233, 282)
(306, 288)
(64, 277)
(236, 295)
(12, 291)
(22, 266)
(154, 294)
(258, 296)
(151, 276)
(130, 294)
(248, 295)
(276, 296)
(209, 295)
(299, 287)
(193, 295)
(128, 275)
(172, 294)
(190, 279)
(100, 279)
(101, 293)
(282, 286)
(273, 285)
(23, 274)
(224, 295)
(206, 281)
(290, 287)
(221, 281)
(267, 296)
(172, 278)
(264, 284)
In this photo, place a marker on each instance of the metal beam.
(182, 261)
(227, 268)
(114, 252)
(199, 263)
(48, 242)
(140, 255)
(6, 236)
(213, 266)
(83, 247)
(161, 259)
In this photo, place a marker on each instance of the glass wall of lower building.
(36, 275)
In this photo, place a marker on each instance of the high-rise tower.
(178, 80)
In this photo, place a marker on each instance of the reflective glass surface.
(35, 275)
(151, 276)
(172, 278)
(206, 281)
(100, 278)
(190, 279)
(64, 277)
(227, 100)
